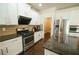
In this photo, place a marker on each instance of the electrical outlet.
(3, 29)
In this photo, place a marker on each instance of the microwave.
(74, 28)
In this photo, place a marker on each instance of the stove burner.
(25, 33)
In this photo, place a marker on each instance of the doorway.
(47, 28)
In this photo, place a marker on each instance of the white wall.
(49, 13)
(65, 13)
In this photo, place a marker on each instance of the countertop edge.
(8, 37)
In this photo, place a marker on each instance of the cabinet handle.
(2, 51)
(7, 50)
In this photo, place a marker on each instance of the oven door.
(28, 41)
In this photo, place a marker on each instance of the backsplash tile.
(9, 29)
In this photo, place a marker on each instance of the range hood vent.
(22, 20)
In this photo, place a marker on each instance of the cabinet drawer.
(9, 41)
(19, 38)
(12, 41)
(0, 44)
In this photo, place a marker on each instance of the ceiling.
(50, 5)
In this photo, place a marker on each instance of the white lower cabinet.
(8, 14)
(37, 36)
(12, 46)
(0, 52)
(48, 52)
(0, 49)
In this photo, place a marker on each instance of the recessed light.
(40, 4)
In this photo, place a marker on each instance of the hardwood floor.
(38, 49)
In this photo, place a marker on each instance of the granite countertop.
(8, 37)
(61, 48)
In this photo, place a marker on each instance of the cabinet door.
(12, 14)
(35, 18)
(23, 9)
(0, 52)
(12, 46)
(4, 50)
(38, 20)
(15, 48)
(3, 13)
(74, 19)
(0, 48)
(41, 34)
(37, 36)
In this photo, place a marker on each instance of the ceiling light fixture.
(40, 4)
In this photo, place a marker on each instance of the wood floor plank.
(38, 49)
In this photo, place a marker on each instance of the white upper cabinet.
(74, 18)
(8, 14)
(3, 13)
(27, 11)
(38, 19)
(33, 14)
(24, 9)
(12, 14)
(35, 18)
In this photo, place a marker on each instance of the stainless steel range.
(28, 38)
